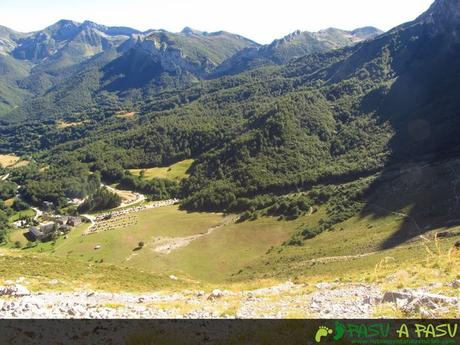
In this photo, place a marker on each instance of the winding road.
(139, 197)
(38, 213)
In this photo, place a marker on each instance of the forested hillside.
(330, 127)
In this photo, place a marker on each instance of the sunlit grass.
(177, 171)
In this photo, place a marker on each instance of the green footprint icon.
(339, 330)
(323, 331)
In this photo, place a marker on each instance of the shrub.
(20, 205)
(295, 241)
(102, 199)
(309, 233)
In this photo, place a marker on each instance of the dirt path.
(341, 258)
(165, 245)
(128, 201)
(400, 214)
(38, 213)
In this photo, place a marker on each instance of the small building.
(61, 220)
(20, 224)
(65, 229)
(48, 205)
(35, 233)
(74, 221)
(47, 228)
(85, 219)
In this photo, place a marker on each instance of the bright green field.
(177, 171)
(210, 258)
(117, 245)
(215, 257)
(237, 251)
(40, 269)
(352, 249)
(21, 214)
(239, 255)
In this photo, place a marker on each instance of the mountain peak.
(89, 23)
(189, 31)
(443, 14)
(367, 31)
(66, 23)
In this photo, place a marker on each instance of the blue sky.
(259, 20)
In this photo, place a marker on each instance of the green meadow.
(177, 171)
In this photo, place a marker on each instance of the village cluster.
(60, 225)
(53, 226)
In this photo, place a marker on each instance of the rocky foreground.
(288, 300)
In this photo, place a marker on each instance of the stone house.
(74, 221)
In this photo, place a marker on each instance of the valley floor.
(209, 265)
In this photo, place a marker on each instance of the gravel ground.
(274, 302)
(287, 300)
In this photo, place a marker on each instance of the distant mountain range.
(95, 57)
(293, 46)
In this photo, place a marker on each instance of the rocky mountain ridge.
(295, 45)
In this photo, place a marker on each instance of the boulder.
(416, 301)
(392, 296)
(431, 297)
(456, 284)
(14, 290)
(215, 294)
(53, 282)
(323, 286)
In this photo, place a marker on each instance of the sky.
(261, 21)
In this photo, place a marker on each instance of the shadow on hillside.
(425, 196)
(421, 180)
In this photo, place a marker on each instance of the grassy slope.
(215, 257)
(8, 160)
(40, 269)
(177, 171)
(246, 253)
(26, 213)
(211, 258)
(342, 250)
(12, 161)
(419, 200)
